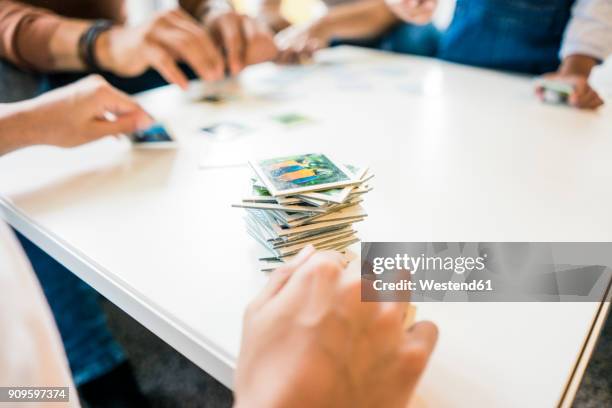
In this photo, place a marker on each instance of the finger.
(419, 343)
(321, 270)
(281, 275)
(423, 334)
(124, 124)
(591, 100)
(420, 15)
(120, 103)
(260, 45)
(191, 47)
(201, 46)
(581, 89)
(163, 62)
(233, 42)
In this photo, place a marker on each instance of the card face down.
(155, 136)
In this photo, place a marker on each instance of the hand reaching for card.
(582, 96)
(246, 41)
(297, 44)
(308, 341)
(413, 11)
(76, 114)
(575, 71)
(175, 36)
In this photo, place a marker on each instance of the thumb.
(123, 124)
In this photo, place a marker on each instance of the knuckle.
(160, 19)
(149, 37)
(415, 357)
(324, 266)
(352, 288)
(387, 320)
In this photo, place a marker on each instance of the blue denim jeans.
(88, 343)
(510, 35)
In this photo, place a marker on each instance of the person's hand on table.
(245, 40)
(575, 71)
(297, 44)
(76, 114)
(309, 341)
(413, 11)
(169, 38)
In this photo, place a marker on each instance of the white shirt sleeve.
(31, 352)
(589, 31)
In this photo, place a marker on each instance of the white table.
(460, 154)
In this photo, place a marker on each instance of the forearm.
(14, 132)
(366, 18)
(36, 39)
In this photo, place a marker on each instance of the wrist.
(578, 65)
(16, 120)
(102, 50)
(322, 28)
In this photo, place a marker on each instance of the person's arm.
(587, 42)
(366, 18)
(36, 39)
(70, 116)
(362, 19)
(245, 41)
(588, 34)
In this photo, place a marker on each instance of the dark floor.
(170, 380)
(166, 377)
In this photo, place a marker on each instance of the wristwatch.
(87, 43)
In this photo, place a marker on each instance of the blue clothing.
(90, 347)
(16, 85)
(511, 35)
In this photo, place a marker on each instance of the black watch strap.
(87, 43)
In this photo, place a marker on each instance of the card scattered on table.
(157, 136)
(304, 199)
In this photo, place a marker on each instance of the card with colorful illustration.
(289, 175)
(157, 136)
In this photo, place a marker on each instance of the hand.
(583, 97)
(245, 40)
(413, 11)
(309, 341)
(79, 113)
(171, 37)
(297, 44)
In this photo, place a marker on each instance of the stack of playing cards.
(301, 200)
